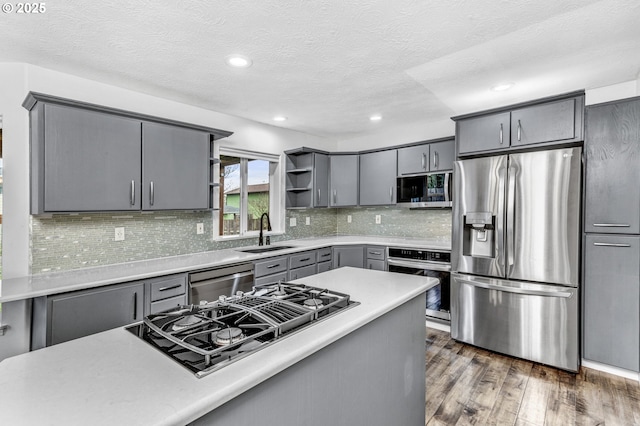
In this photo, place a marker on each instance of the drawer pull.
(375, 252)
(611, 245)
(325, 255)
(611, 225)
(275, 265)
(306, 259)
(170, 287)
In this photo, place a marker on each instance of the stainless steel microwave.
(431, 190)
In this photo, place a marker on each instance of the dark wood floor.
(471, 386)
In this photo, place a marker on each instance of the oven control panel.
(423, 255)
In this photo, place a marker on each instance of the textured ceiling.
(329, 64)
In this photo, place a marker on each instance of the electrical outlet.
(200, 228)
(292, 221)
(307, 221)
(348, 218)
(119, 234)
(378, 219)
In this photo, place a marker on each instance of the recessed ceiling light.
(279, 118)
(375, 118)
(502, 87)
(238, 61)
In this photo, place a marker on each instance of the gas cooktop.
(209, 336)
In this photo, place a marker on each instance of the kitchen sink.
(265, 249)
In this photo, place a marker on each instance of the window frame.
(276, 196)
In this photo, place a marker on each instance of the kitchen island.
(364, 365)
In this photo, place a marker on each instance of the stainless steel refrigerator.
(516, 255)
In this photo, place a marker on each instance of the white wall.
(614, 92)
(400, 135)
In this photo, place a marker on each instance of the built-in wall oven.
(429, 263)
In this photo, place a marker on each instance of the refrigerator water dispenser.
(479, 234)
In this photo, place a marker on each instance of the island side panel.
(372, 376)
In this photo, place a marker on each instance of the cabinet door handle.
(170, 287)
(611, 225)
(436, 159)
(501, 134)
(334, 196)
(151, 194)
(135, 306)
(519, 131)
(391, 194)
(132, 193)
(424, 162)
(318, 196)
(275, 265)
(611, 245)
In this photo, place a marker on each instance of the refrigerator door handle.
(499, 241)
(518, 290)
(511, 213)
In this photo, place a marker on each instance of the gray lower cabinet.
(164, 293)
(376, 258)
(343, 180)
(611, 324)
(378, 178)
(175, 168)
(271, 271)
(302, 265)
(348, 256)
(323, 256)
(63, 317)
(612, 173)
(84, 160)
(324, 266)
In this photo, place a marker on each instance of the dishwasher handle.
(220, 279)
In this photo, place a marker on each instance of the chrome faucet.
(260, 242)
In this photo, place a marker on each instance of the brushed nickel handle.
(334, 196)
(501, 133)
(519, 131)
(318, 196)
(170, 287)
(151, 194)
(424, 165)
(132, 193)
(436, 160)
(391, 194)
(611, 245)
(611, 225)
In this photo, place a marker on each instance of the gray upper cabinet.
(554, 121)
(307, 179)
(175, 168)
(612, 300)
(90, 158)
(413, 159)
(485, 133)
(91, 161)
(612, 147)
(378, 178)
(441, 155)
(545, 121)
(343, 180)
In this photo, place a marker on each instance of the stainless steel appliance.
(425, 191)
(516, 255)
(209, 284)
(428, 263)
(204, 338)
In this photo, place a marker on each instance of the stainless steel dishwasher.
(209, 284)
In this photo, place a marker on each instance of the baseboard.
(438, 326)
(627, 374)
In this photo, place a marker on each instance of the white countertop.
(116, 378)
(59, 282)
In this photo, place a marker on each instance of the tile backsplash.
(74, 241)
